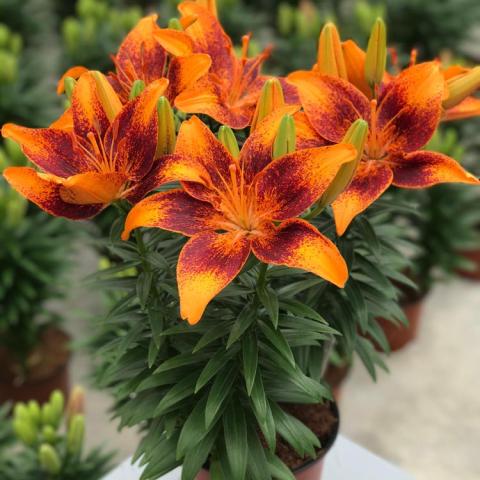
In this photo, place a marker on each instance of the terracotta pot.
(49, 372)
(400, 335)
(474, 257)
(311, 469)
(335, 376)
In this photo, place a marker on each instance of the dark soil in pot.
(324, 421)
(47, 370)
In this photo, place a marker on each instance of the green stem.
(317, 210)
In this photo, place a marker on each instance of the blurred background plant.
(34, 255)
(49, 442)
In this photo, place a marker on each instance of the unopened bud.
(229, 141)
(376, 58)
(460, 87)
(356, 136)
(137, 88)
(69, 84)
(75, 434)
(49, 415)
(174, 24)
(49, 459)
(285, 18)
(166, 128)
(49, 435)
(57, 400)
(285, 141)
(330, 59)
(21, 412)
(76, 402)
(14, 152)
(34, 412)
(25, 431)
(270, 99)
(108, 98)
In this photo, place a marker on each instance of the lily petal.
(175, 42)
(298, 244)
(74, 72)
(44, 191)
(207, 264)
(291, 184)
(370, 181)
(64, 121)
(174, 210)
(331, 104)
(256, 153)
(132, 136)
(92, 188)
(183, 72)
(140, 56)
(470, 107)
(307, 136)
(207, 97)
(410, 109)
(50, 149)
(89, 115)
(196, 142)
(354, 58)
(424, 169)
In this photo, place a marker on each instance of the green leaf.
(250, 360)
(144, 284)
(244, 320)
(355, 298)
(278, 469)
(181, 360)
(235, 433)
(219, 392)
(214, 365)
(193, 429)
(258, 398)
(278, 341)
(258, 468)
(302, 310)
(156, 318)
(298, 435)
(269, 300)
(267, 425)
(183, 389)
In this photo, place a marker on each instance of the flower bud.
(75, 434)
(49, 435)
(285, 141)
(49, 415)
(270, 99)
(57, 400)
(25, 431)
(14, 152)
(330, 59)
(376, 57)
(107, 96)
(462, 86)
(76, 403)
(34, 412)
(356, 136)
(16, 44)
(228, 140)
(285, 18)
(9, 70)
(137, 88)
(21, 412)
(49, 459)
(174, 24)
(4, 35)
(167, 136)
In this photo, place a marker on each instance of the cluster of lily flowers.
(339, 134)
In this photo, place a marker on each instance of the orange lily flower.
(229, 92)
(98, 151)
(401, 121)
(235, 206)
(141, 56)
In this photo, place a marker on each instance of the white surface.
(346, 461)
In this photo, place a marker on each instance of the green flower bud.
(25, 431)
(285, 18)
(14, 152)
(3, 160)
(75, 434)
(174, 23)
(285, 141)
(167, 136)
(76, 402)
(71, 33)
(16, 44)
(137, 88)
(69, 84)
(49, 459)
(4, 35)
(270, 99)
(9, 70)
(356, 136)
(57, 400)
(49, 415)
(376, 57)
(461, 87)
(229, 141)
(35, 412)
(330, 59)
(49, 435)
(21, 412)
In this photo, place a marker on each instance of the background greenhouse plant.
(34, 256)
(49, 443)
